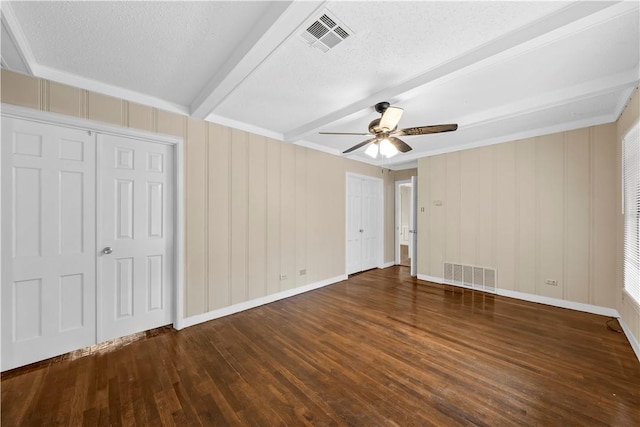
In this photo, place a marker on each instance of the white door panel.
(354, 219)
(48, 244)
(136, 217)
(370, 228)
(363, 223)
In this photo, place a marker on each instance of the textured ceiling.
(501, 70)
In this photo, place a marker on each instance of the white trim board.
(246, 305)
(10, 110)
(632, 340)
(555, 302)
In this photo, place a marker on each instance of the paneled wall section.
(256, 208)
(535, 210)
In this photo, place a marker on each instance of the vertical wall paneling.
(605, 208)
(424, 215)
(469, 206)
(485, 232)
(437, 217)
(300, 271)
(452, 206)
(172, 124)
(239, 215)
(538, 210)
(287, 216)
(273, 216)
(195, 185)
(140, 116)
(219, 216)
(526, 204)
(577, 215)
(549, 210)
(20, 90)
(257, 210)
(333, 191)
(105, 109)
(65, 100)
(314, 215)
(505, 214)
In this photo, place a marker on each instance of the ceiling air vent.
(326, 32)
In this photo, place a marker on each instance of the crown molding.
(13, 27)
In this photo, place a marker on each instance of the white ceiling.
(501, 70)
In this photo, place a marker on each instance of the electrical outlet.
(551, 282)
(283, 276)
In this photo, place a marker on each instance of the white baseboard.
(632, 340)
(556, 302)
(431, 278)
(387, 265)
(246, 305)
(588, 308)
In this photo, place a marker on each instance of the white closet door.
(364, 239)
(354, 224)
(370, 225)
(48, 241)
(135, 214)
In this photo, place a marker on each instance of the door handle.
(107, 250)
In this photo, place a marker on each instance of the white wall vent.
(470, 276)
(326, 32)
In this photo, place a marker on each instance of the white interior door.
(364, 235)
(370, 226)
(48, 241)
(135, 212)
(413, 227)
(354, 224)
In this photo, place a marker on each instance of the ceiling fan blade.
(342, 133)
(402, 146)
(390, 118)
(355, 147)
(423, 130)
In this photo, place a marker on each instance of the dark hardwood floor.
(404, 256)
(379, 349)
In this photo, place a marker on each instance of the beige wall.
(536, 209)
(628, 309)
(255, 207)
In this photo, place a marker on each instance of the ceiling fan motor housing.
(381, 107)
(374, 127)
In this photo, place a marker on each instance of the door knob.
(361, 230)
(107, 250)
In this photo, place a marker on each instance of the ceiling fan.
(385, 131)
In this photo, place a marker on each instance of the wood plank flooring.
(379, 349)
(404, 256)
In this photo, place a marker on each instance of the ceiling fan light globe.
(372, 150)
(387, 149)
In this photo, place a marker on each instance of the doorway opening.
(405, 224)
(403, 228)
